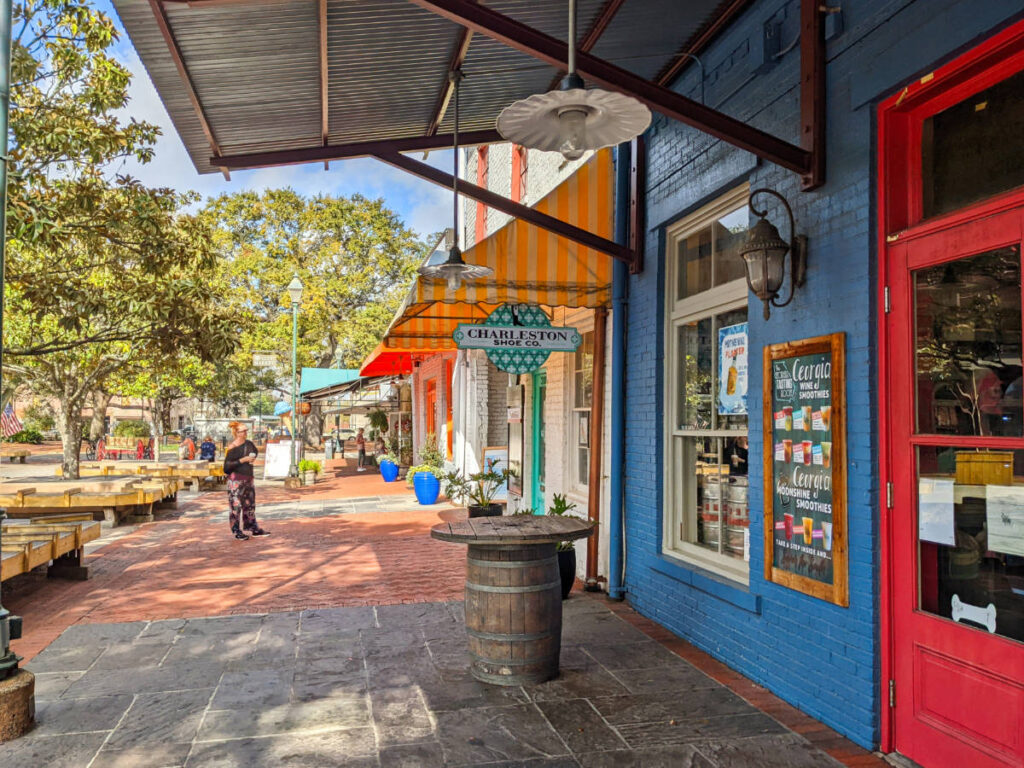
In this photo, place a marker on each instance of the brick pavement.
(191, 566)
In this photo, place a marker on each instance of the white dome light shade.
(454, 270)
(573, 121)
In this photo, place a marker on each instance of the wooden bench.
(129, 499)
(33, 543)
(15, 453)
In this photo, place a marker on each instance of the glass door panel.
(970, 526)
(968, 345)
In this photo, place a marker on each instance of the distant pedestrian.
(187, 449)
(208, 449)
(238, 461)
(361, 448)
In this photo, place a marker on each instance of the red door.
(956, 429)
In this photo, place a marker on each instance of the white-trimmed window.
(582, 384)
(706, 520)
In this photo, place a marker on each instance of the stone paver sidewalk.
(381, 686)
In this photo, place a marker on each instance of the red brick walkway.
(190, 567)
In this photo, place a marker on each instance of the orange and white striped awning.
(531, 265)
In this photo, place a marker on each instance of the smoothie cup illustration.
(808, 530)
(788, 520)
(807, 418)
(787, 412)
(787, 447)
(826, 536)
(826, 454)
(826, 417)
(808, 454)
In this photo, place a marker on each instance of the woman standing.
(238, 461)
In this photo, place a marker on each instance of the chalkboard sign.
(805, 466)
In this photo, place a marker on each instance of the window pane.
(968, 340)
(694, 357)
(970, 540)
(584, 371)
(974, 149)
(728, 420)
(730, 233)
(693, 264)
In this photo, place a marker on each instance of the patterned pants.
(242, 500)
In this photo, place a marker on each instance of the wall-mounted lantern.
(765, 256)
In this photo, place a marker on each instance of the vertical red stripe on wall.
(481, 181)
(516, 188)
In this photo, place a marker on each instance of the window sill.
(712, 584)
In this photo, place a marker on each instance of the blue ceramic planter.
(389, 471)
(427, 487)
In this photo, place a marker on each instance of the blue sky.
(424, 207)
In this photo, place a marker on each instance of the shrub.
(435, 471)
(33, 436)
(131, 428)
(430, 454)
(308, 465)
(38, 416)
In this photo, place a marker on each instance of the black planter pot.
(494, 510)
(567, 570)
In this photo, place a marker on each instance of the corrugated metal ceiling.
(255, 66)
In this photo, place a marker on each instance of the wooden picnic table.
(513, 593)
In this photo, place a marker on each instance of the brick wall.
(766, 631)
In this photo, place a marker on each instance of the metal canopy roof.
(249, 76)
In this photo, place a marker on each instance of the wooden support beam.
(448, 88)
(164, 25)
(324, 79)
(357, 149)
(555, 52)
(596, 440)
(680, 60)
(812, 90)
(503, 204)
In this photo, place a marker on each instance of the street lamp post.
(295, 291)
(10, 626)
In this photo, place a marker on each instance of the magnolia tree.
(354, 256)
(102, 272)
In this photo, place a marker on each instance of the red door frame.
(900, 220)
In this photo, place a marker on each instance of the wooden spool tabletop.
(512, 529)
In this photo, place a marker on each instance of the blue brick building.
(823, 658)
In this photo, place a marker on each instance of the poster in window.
(732, 370)
(805, 466)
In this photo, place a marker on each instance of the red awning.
(393, 362)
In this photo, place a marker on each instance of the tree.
(101, 271)
(355, 258)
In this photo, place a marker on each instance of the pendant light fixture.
(572, 119)
(454, 270)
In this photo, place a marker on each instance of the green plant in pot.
(562, 507)
(378, 421)
(309, 469)
(477, 491)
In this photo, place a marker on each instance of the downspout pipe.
(620, 279)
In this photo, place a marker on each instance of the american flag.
(9, 423)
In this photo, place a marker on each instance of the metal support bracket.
(503, 204)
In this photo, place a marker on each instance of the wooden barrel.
(513, 613)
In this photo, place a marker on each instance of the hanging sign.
(805, 467)
(732, 370)
(518, 337)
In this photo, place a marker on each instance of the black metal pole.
(8, 659)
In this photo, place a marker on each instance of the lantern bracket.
(796, 249)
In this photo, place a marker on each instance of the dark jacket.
(208, 450)
(232, 465)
